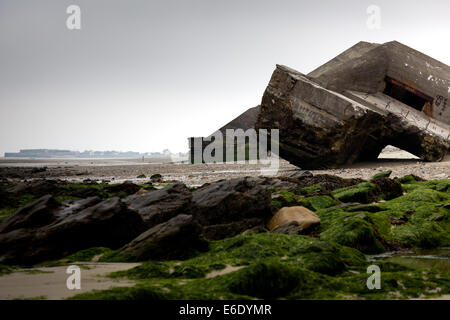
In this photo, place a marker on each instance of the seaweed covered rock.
(36, 214)
(426, 220)
(322, 257)
(156, 177)
(383, 174)
(351, 230)
(328, 182)
(416, 219)
(364, 192)
(37, 188)
(127, 188)
(319, 202)
(85, 192)
(267, 280)
(177, 238)
(389, 188)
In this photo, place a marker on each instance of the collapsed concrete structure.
(349, 109)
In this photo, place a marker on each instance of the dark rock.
(227, 201)
(5, 199)
(301, 174)
(329, 182)
(221, 231)
(37, 213)
(177, 238)
(107, 224)
(156, 177)
(126, 187)
(383, 174)
(281, 183)
(73, 207)
(38, 170)
(141, 176)
(90, 182)
(161, 205)
(390, 188)
(37, 188)
(85, 192)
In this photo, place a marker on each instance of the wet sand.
(119, 170)
(50, 282)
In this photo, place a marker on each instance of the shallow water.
(434, 259)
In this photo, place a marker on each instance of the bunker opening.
(408, 95)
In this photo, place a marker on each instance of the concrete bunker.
(349, 109)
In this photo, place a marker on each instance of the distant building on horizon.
(55, 153)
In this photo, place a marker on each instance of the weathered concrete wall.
(388, 106)
(364, 68)
(422, 73)
(354, 52)
(320, 128)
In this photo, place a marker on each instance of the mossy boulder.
(319, 202)
(383, 174)
(268, 280)
(156, 177)
(284, 198)
(364, 192)
(389, 189)
(353, 231)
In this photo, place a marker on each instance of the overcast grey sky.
(145, 75)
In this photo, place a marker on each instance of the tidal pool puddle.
(434, 259)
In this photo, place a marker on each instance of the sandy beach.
(118, 170)
(50, 282)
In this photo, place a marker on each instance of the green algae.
(364, 192)
(86, 255)
(283, 198)
(383, 174)
(353, 231)
(319, 202)
(333, 266)
(5, 269)
(275, 267)
(15, 203)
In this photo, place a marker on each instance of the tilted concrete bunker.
(349, 109)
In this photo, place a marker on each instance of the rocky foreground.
(299, 237)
